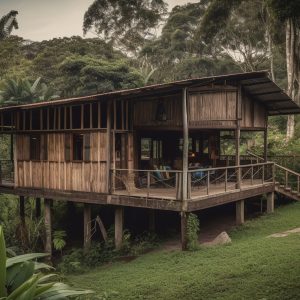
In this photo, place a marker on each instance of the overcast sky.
(46, 19)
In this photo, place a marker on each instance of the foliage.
(20, 278)
(193, 227)
(21, 91)
(7, 23)
(59, 239)
(78, 261)
(124, 23)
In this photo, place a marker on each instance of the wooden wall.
(55, 172)
(212, 109)
(145, 112)
(217, 109)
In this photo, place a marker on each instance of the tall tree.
(286, 11)
(7, 23)
(124, 23)
(289, 13)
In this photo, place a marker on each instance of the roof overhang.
(256, 84)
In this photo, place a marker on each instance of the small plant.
(59, 241)
(193, 227)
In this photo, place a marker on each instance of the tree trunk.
(292, 56)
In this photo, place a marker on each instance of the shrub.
(193, 227)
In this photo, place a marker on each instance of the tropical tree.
(21, 278)
(21, 91)
(125, 24)
(287, 13)
(7, 23)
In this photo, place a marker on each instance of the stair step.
(282, 186)
(294, 192)
(288, 189)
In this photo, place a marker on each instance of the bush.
(193, 227)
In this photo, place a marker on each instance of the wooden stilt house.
(159, 147)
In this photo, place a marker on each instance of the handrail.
(254, 155)
(286, 169)
(194, 170)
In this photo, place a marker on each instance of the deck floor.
(196, 192)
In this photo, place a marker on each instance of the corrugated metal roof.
(256, 84)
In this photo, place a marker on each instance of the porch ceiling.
(256, 84)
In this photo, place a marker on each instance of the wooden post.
(86, 226)
(270, 202)
(108, 147)
(185, 150)
(48, 226)
(152, 220)
(266, 145)
(38, 208)
(238, 136)
(240, 212)
(119, 216)
(184, 240)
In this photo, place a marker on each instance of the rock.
(222, 239)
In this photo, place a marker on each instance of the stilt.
(87, 226)
(48, 226)
(38, 208)
(119, 215)
(240, 212)
(152, 220)
(184, 240)
(270, 202)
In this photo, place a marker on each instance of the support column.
(152, 220)
(184, 240)
(86, 226)
(48, 225)
(270, 202)
(265, 144)
(185, 150)
(238, 137)
(240, 212)
(38, 208)
(119, 216)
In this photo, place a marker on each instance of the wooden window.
(35, 147)
(38, 147)
(78, 147)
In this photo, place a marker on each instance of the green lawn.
(252, 267)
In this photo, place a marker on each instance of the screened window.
(78, 147)
(38, 147)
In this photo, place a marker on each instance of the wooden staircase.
(287, 181)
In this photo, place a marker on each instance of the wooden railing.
(287, 179)
(167, 184)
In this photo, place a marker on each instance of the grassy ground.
(252, 267)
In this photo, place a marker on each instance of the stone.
(222, 239)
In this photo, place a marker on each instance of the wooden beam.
(87, 226)
(184, 240)
(270, 202)
(119, 219)
(240, 212)
(185, 149)
(48, 226)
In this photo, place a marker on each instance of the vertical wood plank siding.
(56, 173)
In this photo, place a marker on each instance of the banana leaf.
(2, 264)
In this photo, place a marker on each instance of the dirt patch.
(285, 233)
